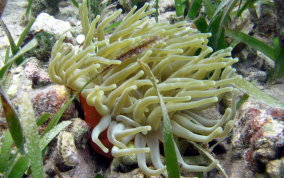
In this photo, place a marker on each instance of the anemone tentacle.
(190, 76)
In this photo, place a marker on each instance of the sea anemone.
(123, 103)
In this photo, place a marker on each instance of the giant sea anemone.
(121, 103)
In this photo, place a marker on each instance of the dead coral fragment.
(189, 78)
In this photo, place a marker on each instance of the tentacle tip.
(146, 4)
(229, 110)
(230, 123)
(218, 131)
(105, 150)
(235, 91)
(149, 127)
(147, 150)
(230, 48)
(100, 145)
(210, 49)
(215, 99)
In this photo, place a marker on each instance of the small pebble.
(80, 39)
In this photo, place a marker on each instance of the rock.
(51, 99)
(51, 25)
(36, 74)
(70, 14)
(210, 113)
(66, 159)
(265, 24)
(45, 43)
(128, 4)
(49, 6)
(86, 166)
(63, 4)
(80, 131)
(264, 141)
(238, 168)
(275, 168)
(129, 160)
(256, 68)
(124, 164)
(168, 17)
(66, 150)
(258, 135)
(259, 76)
(166, 5)
(269, 64)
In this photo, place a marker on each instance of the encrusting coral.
(189, 78)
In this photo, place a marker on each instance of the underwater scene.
(142, 88)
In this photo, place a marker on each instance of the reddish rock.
(51, 99)
(37, 75)
(276, 113)
(259, 137)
